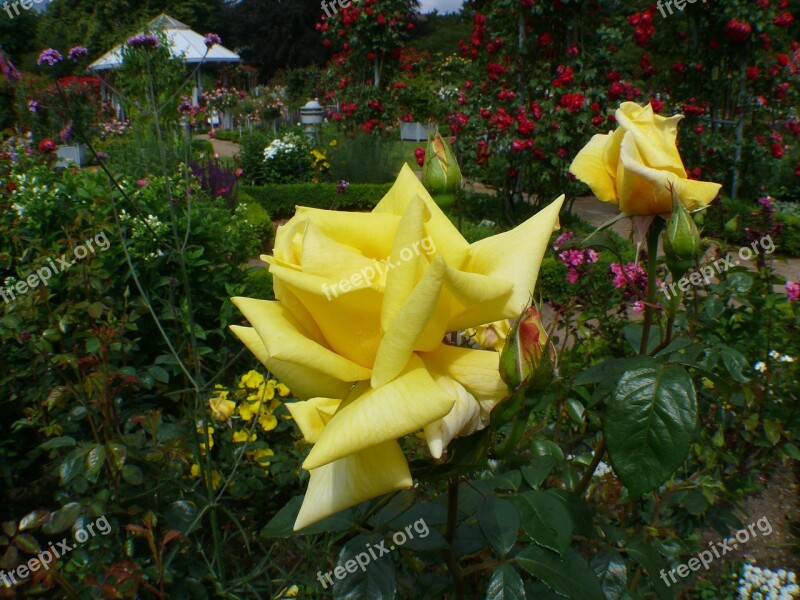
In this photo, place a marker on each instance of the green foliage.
(251, 156)
(100, 27)
(280, 200)
(254, 213)
(150, 79)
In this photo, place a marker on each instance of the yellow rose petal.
(476, 370)
(413, 321)
(352, 229)
(389, 412)
(304, 381)
(655, 136)
(312, 415)
(347, 316)
(346, 482)
(463, 419)
(590, 166)
(646, 191)
(449, 242)
(516, 256)
(285, 340)
(404, 275)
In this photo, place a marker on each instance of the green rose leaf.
(568, 575)
(545, 519)
(505, 584)
(499, 522)
(359, 576)
(610, 569)
(650, 424)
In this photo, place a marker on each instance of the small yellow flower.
(283, 391)
(267, 421)
(252, 380)
(258, 455)
(210, 438)
(333, 143)
(248, 410)
(216, 478)
(240, 437)
(221, 409)
(289, 593)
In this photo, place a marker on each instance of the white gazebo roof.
(183, 42)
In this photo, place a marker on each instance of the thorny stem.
(652, 266)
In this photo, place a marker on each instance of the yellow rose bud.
(221, 409)
(635, 166)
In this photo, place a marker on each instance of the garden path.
(222, 148)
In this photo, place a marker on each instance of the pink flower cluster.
(793, 290)
(629, 278)
(575, 260)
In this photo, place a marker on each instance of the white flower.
(760, 366)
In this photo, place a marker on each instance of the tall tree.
(275, 34)
(101, 25)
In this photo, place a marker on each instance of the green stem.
(652, 266)
(450, 536)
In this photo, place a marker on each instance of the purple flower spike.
(33, 106)
(211, 40)
(49, 57)
(77, 52)
(143, 40)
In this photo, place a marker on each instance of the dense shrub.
(259, 219)
(727, 220)
(251, 156)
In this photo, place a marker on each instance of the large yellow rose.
(635, 165)
(367, 353)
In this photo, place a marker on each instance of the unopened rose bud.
(527, 358)
(441, 174)
(681, 238)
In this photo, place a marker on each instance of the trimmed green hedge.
(228, 136)
(280, 200)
